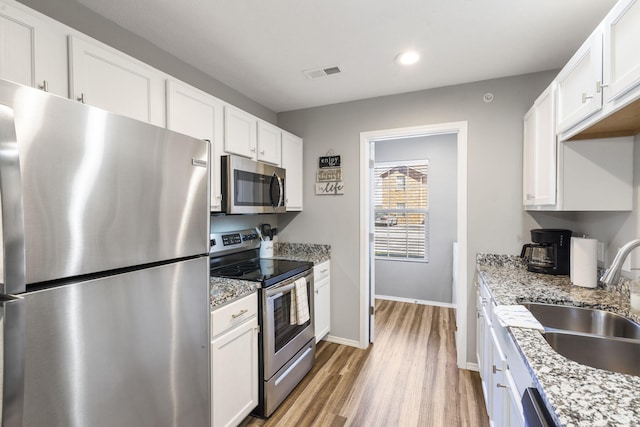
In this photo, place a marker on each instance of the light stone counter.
(575, 394)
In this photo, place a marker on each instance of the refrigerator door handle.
(12, 342)
(12, 242)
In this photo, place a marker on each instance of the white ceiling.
(261, 47)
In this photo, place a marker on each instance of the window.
(401, 210)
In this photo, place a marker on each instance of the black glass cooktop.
(247, 266)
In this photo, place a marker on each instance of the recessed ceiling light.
(409, 57)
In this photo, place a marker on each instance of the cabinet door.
(33, 51)
(578, 83)
(498, 409)
(234, 374)
(621, 47)
(292, 161)
(481, 343)
(240, 132)
(269, 143)
(322, 299)
(513, 407)
(539, 152)
(200, 115)
(106, 78)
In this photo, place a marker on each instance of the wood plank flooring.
(408, 377)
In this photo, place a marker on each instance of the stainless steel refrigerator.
(103, 263)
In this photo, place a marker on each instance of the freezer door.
(130, 350)
(102, 191)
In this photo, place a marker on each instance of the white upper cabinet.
(579, 93)
(539, 151)
(269, 143)
(200, 115)
(109, 79)
(33, 51)
(292, 161)
(621, 49)
(240, 132)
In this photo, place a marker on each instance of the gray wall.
(616, 228)
(496, 221)
(86, 21)
(418, 280)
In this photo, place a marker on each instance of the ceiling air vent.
(321, 72)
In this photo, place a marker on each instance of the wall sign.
(331, 188)
(329, 175)
(329, 162)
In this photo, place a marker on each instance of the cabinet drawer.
(321, 271)
(233, 314)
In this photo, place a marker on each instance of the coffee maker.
(549, 252)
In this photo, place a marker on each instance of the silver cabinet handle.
(501, 386)
(253, 149)
(495, 369)
(81, 98)
(324, 271)
(240, 313)
(531, 196)
(262, 152)
(44, 86)
(599, 86)
(585, 97)
(480, 315)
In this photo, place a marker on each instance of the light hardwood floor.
(408, 377)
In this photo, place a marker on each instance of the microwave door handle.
(277, 179)
(12, 238)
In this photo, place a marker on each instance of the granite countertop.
(302, 252)
(223, 291)
(577, 395)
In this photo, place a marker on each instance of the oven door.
(252, 187)
(282, 340)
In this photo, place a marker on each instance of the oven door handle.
(280, 289)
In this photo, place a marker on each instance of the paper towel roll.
(584, 262)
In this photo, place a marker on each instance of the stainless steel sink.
(584, 320)
(611, 354)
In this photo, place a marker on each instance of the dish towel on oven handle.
(299, 302)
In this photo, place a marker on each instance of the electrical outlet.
(601, 252)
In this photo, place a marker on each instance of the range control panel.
(233, 241)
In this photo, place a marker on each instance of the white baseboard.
(473, 367)
(343, 341)
(416, 301)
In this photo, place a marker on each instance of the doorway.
(415, 206)
(367, 224)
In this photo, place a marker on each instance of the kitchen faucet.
(612, 275)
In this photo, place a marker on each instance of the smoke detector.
(316, 73)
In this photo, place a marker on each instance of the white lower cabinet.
(322, 299)
(234, 361)
(503, 373)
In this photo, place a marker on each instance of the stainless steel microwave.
(250, 187)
